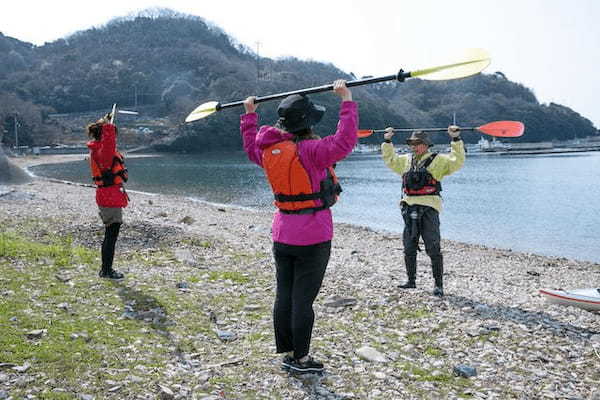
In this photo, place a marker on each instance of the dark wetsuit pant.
(425, 225)
(300, 271)
(111, 234)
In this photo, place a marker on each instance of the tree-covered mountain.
(168, 63)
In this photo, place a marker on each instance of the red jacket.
(103, 151)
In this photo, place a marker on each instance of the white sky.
(550, 46)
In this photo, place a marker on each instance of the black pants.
(425, 225)
(300, 271)
(111, 233)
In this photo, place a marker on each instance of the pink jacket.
(315, 156)
(103, 152)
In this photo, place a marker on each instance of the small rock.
(370, 354)
(491, 327)
(595, 339)
(183, 285)
(22, 368)
(36, 334)
(340, 302)
(62, 278)
(379, 375)
(187, 220)
(185, 256)
(226, 336)
(464, 370)
(212, 316)
(3, 394)
(483, 309)
(85, 397)
(166, 393)
(221, 209)
(252, 307)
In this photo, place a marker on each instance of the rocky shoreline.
(199, 288)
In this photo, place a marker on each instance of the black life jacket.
(417, 181)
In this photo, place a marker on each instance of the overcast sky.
(550, 46)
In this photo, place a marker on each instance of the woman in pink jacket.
(109, 174)
(299, 167)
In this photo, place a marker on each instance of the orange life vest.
(291, 183)
(116, 175)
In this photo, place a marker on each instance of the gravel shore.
(378, 342)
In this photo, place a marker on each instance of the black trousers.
(422, 221)
(111, 233)
(300, 271)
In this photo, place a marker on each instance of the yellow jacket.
(441, 166)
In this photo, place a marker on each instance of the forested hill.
(167, 63)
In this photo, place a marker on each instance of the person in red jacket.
(109, 174)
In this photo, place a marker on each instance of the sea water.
(544, 204)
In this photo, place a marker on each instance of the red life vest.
(116, 175)
(417, 181)
(291, 183)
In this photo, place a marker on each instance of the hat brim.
(315, 115)
(416, 142)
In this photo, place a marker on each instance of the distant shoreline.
(31, 161)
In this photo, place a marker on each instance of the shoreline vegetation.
(192, 319)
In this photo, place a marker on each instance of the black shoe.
(438, 291)
(112, 274)
(408, 285)
(309, 366)
(285, 361)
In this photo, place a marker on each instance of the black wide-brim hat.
(419, 137)
(297, 112)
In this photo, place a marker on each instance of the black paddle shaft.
(400, 76)
(426, 129)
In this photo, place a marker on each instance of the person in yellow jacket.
(422, 172)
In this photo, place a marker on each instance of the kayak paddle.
(113, 113)
(475, 61)
(497, 128)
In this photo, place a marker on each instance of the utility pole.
(257, 62)
(16, 132)
(135, 97)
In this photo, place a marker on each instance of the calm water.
(542, 204)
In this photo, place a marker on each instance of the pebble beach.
(192, 319)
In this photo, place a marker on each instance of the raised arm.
(451, 162)
(249, 129)
(398, 164)
(108, 146)
(332, 149)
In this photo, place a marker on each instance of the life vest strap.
(298, 197)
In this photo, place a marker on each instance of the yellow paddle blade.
(474, 61)
(202, 111)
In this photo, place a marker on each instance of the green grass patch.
(234, 276)
(61, 253)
